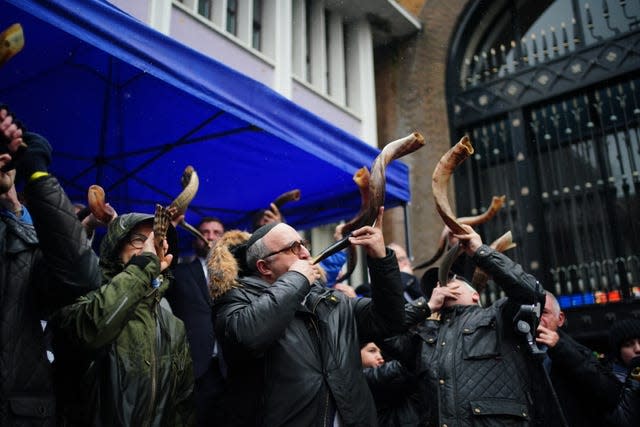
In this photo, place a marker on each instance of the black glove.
(37, 156)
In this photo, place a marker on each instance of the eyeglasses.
(137, 240)
(295, 248)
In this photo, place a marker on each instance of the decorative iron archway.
(549, 92)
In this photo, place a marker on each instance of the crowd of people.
(250, 332)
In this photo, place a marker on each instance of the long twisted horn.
(376, 193)
(440, 181)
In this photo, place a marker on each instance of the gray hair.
(554, 302)
(256, 252)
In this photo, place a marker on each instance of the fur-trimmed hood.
(222, 265)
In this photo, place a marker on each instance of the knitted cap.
(621, 331)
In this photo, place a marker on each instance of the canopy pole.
(407, 227)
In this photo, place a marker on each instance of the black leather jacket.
(473, 368)
(586, 388)
(43, 268)
(292, 349)
(395, 392)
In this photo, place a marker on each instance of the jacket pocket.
(503, 412)
(32, 407)
(424, 362)
(480, 338)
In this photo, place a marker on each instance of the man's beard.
(202, 252)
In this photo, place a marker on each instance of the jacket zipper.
(317, 331)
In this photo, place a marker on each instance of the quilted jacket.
(473, 368)
(42, 267)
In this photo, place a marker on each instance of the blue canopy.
(128, 108)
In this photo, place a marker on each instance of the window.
(205, 8)
(256, 34)
(232, 17)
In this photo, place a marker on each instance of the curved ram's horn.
(289, 196)
(440, 180)
(11, 42)
(362, 178)
(448, 260)
(377, 182)
(496, 205)
(97, 205)
(501, 244)
(439, 183)
(190, 184)
(442, 244)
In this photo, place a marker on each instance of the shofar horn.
(161, 221)
(440, 181)
(362, 179)
(496, 205)
(501, 244)
(11, 42)
(97, 205)
(377, 183)
(190, 184)
(289, 196)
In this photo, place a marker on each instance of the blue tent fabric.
(128, 108)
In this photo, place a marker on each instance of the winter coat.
(123, 360)
(627, 411)
(42, 268)
(472, 367)
(586, 389)
(395, 392)
(293, 348)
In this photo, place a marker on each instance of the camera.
(525, 321)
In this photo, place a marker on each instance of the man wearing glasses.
(123, 358)
(291, 345)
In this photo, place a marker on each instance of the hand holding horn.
(373, 196)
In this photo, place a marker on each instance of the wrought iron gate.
(555, 120)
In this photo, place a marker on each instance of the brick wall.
(410, 92)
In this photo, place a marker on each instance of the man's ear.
(561, 319)
(262, 267)
(475, 297)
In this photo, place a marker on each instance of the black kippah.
(260, 233)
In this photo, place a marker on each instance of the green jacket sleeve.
(97, 318)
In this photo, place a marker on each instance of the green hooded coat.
(124, 357)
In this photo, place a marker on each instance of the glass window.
(256, 34)
(205, 8)
(232, 17)
(307, 11)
